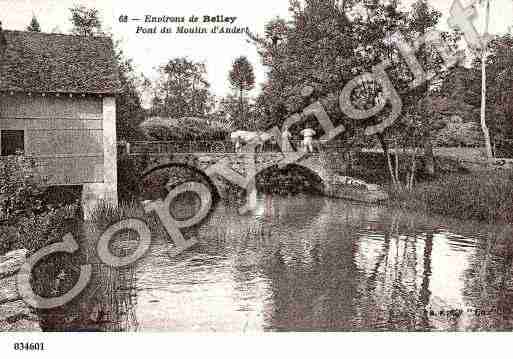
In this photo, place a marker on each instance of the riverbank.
(52, 276)
(15, 314)
(482, 196)
(455, 191)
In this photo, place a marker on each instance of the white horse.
(258, 139)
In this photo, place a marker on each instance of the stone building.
(57, 104)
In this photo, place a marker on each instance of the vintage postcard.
(250, 167)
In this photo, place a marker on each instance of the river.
(307, 263)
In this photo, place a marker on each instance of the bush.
(185, 129)
(29, 220)
(37, 231)
(130, 170)
(372, 167)
(32, 221)
(20, 189)
(482, 196)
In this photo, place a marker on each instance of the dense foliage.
(246, 117)
(465, 87)
(28, 219)
(242, 78)
(20, 192)
(86, 21)
(34, 25)
(181, 90)
(483, 196)
(129, 111)
(185, 129)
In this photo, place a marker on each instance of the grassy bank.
(485, 196)
(482, 196)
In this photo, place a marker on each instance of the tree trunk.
(411, 180)
(241, 107)
(484, 127)
(193, 100)
(384, 146)
(396, 158)
(429, 158)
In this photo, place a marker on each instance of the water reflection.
(311, 263)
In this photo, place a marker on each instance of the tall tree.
(86, 21)
(34, 25)
(230, 107)
(499, 92)
(484, 127)
(465, 87)
(423, 121)
(327, 43)
(182, 90)
(129, 111)
(242, 78)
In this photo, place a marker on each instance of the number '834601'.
(29, 346)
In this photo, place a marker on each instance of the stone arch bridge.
(217, 162)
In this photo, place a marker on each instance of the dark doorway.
(12, 141)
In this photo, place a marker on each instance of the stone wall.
(94, 192)
(15, 315)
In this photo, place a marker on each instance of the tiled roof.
(39, 62)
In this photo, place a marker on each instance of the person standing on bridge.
(308, 134)
(285, 141)
(237, 145)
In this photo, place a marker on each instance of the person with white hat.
(308, 134)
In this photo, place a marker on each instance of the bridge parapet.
(168, 147)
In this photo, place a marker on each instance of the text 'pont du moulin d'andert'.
(217, 24)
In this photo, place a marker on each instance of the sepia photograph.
(249, 168)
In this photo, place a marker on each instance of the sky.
(217, 51)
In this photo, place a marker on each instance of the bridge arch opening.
(157, 182)
(292, 179)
